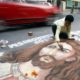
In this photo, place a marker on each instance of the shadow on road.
(24, 26)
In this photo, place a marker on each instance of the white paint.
(40, 39)
(1, 53)
(4, 69)
(34, 40)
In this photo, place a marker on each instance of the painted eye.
(51, 46)
(66, 50)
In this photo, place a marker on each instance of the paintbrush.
(60, 46)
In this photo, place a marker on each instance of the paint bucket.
(30, 33)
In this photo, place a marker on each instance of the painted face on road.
(52, 53)
(54, 50)
(45, 62)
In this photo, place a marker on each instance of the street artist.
(61, 28)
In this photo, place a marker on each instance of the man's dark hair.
(69, 18)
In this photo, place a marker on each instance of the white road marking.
(1, 53)
(34, 40)
(40, 39)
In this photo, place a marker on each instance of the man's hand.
(60, 46)
(71, 39)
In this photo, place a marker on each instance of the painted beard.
(48, 55)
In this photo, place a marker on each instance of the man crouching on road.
(61, 28)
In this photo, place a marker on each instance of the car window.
(8, 0)
(12, 0)
(42, 2)
(26, 1)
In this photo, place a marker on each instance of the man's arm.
(57, 33)
(69, 31)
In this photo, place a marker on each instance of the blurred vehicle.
(14, 12)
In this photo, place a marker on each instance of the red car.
(14, 12)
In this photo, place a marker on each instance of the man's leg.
(54, 27)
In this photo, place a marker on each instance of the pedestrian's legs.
(58, 3)
(64, 5)
(54, 27)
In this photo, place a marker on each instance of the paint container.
(30, 33)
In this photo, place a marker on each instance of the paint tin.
(30, 33)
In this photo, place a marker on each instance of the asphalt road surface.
(19, 38)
